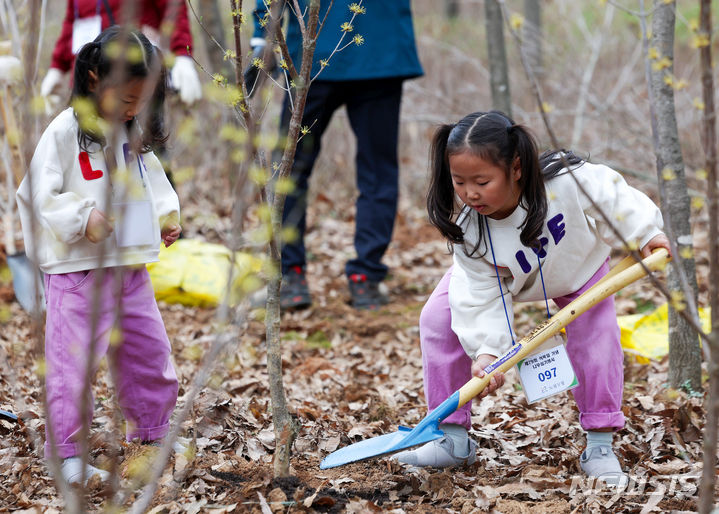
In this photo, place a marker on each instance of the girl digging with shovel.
(523, 230)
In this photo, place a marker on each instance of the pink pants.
(139, 360)
(592, 343)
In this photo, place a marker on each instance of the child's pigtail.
(440, 196)
(154, 134)
(552, 164)
(532, 185)
(86, 60)
(89, 58)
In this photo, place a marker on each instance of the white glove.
(52, 82)
(49, 89)
(185, 80)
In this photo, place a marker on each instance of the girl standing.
(89, 240)
(524, 225)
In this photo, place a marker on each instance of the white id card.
(547, 372)
(85, 30)
(133, 223)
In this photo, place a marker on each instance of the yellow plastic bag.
(647, 336)
(195, 273)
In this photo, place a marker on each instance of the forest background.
(352, 375)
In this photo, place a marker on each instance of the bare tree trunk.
(30, 66)
(684, 350)
(29, 126)
(498, 69)
(532, 37)
(286, 427)
(706, 488)
(209, 10)
(596, 43)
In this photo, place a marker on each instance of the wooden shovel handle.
(623, 274)
(13, 134)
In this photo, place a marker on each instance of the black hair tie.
(510, 129)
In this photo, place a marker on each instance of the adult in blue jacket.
(367, 80)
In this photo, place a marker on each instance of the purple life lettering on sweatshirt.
(522, 260)
(556, 229)
(542, 253)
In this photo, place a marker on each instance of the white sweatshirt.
(575, 243)
(68, 183)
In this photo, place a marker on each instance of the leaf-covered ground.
(352, 375)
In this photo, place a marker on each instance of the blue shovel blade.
(427, 430)
(8, 416)
(380, 445)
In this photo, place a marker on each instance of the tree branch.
(709, 140)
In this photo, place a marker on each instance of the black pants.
(373, 108)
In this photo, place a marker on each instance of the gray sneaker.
(439, 453)
(602, 464)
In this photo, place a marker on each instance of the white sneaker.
(71, 470)
(440, 453)
(602, 464)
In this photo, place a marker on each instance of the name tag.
(85, 30)
(547, 372)
(134, 225)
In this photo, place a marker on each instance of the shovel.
(26, 278)
(8, 416)
(624, 273)
(27, 281)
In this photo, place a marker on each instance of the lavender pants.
(592, 344)
(138, 355)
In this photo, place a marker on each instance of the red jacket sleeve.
(181, 39)
(62, 57)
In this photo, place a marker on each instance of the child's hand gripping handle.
(623, 274)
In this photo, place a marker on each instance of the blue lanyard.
(140, 165)
(499, 282)
(541, 275)
(140, 162)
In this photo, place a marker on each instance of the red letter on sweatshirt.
(87, 172)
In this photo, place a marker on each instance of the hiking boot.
(602, 464)
(71, 470)
(440, 453)
(294, 293)
(365, 293)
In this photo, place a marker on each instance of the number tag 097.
(547, 372)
